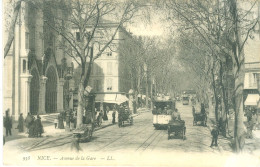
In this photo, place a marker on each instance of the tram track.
(41, 143)
(149, 140)
(127, 135)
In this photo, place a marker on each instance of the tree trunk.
(89, 68)
(12, 28)
(215, 95)
(239, 125)
(224, 99)
(239, 74)
(80, 104)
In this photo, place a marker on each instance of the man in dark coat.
(21, 123)
(38, 127)
(28, 121)
(32, 127)
(214, 133)
(8, 123)
(60, 121)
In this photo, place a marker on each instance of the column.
(42, 95)
(25, 93)
(60, 96)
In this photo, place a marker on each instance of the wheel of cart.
(178, 127)
(84, 133)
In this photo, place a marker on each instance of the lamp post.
(67, 96)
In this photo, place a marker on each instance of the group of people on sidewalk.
(34, 125)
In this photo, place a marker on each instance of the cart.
(178, 127)
(124, 115)
(84, 133)
(199, 117)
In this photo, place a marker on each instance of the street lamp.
(69, 91)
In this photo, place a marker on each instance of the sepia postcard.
(130, 83)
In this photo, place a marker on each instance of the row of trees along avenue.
(212, 36)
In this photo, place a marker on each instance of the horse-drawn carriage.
(124, 115)
(177, 127)
(200, 117)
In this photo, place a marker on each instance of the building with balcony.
(252, 66)
(35, 69)
(110, 76)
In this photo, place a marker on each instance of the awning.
(252, 100)
(111, 98)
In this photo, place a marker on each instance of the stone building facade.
(35, 69)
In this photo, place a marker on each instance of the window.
(78, 36)
(109, 68)
(109, 53)
(109, 84)
(27, 40)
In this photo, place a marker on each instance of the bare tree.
(224, 30)
(83, 28)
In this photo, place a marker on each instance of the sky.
(152, 26)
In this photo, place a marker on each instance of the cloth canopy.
(111, 98)
(252, 100)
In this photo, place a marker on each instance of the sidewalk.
(50, 131)
(251, 146)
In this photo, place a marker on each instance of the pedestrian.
(28, 121)
(72, 122)
(114, 117)
(193, 111)
(38, 127)
(105, 115)
(60, 121)
(56, 121)
(202, 110)
(214, 134)
(176, 115)
(8, 123)
(32, 127)
(169, 110)
(20, 126)
(254, 119)
(250, 126)
(107, 109)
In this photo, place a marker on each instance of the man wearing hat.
(8, 123)
(214, 133)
